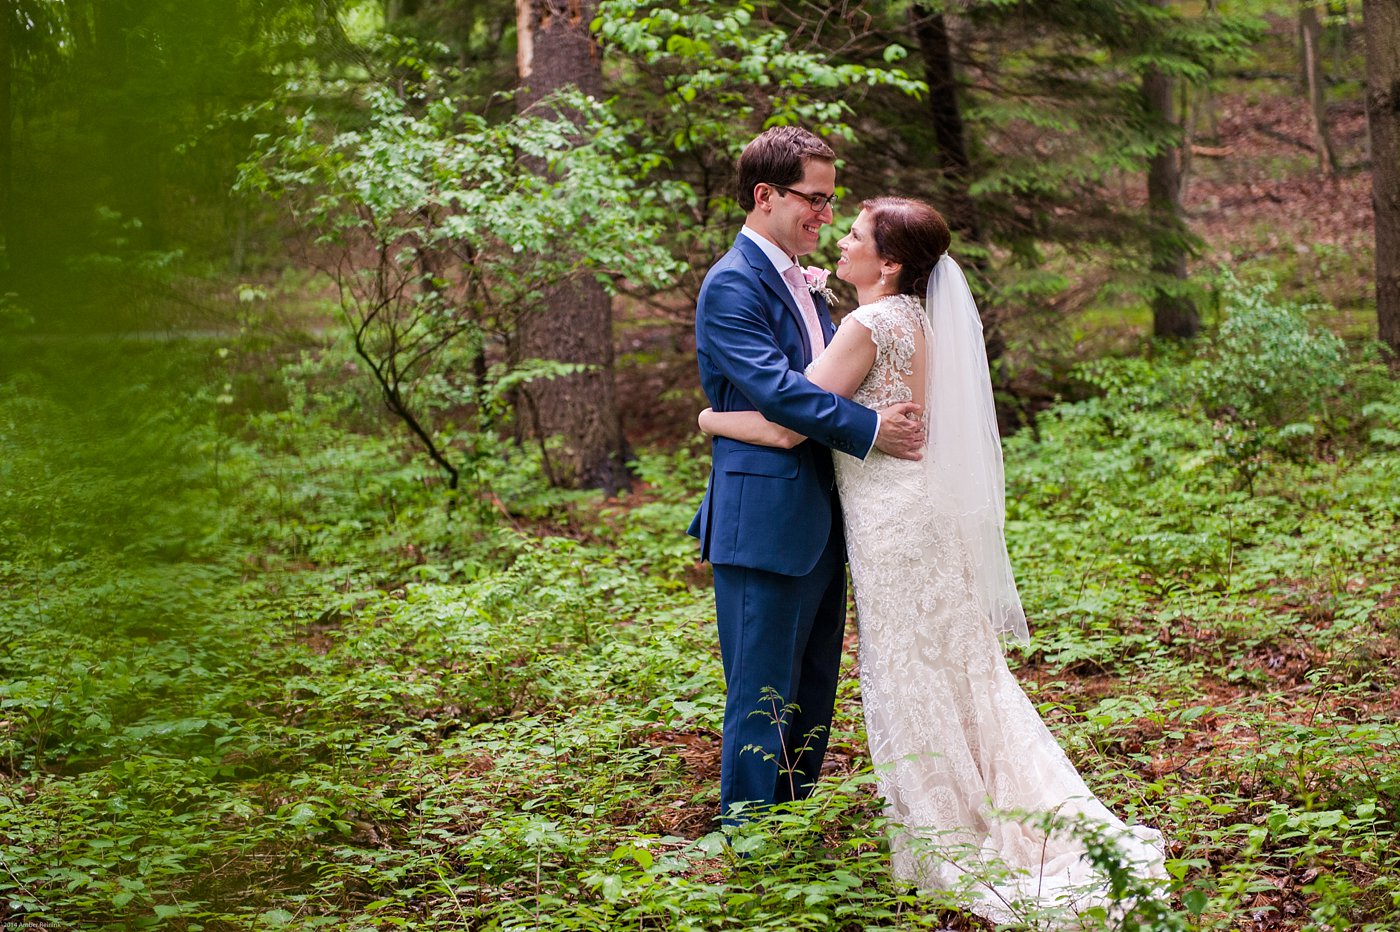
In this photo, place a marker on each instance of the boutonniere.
(816, 283)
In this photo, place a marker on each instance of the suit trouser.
(782, 633)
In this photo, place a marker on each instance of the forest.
(348, 443)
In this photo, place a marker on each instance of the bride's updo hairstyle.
(911, 233)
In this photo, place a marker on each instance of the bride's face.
(859, 264)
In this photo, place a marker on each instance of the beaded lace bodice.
(894, 323)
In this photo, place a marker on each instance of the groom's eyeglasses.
(818, 202)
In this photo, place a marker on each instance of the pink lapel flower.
(816, 283)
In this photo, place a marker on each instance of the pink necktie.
(798, 286)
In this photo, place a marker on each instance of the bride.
(980, 791)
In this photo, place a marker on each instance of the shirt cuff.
(873, 437)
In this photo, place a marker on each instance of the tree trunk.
(1382, 23)
(950, 133)
(1310, 37)
(7, 71)
(936, 48)
(574, 322)
(1173, 313)
(1188, 141)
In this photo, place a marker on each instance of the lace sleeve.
(869, 316)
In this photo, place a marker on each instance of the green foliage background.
(257, 671)
(258, 675)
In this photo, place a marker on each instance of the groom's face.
(794, 225)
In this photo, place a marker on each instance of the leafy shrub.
(1268, 379)
(1267, 364)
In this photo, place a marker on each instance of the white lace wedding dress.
(952, 736)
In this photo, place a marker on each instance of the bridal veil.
(964, 461)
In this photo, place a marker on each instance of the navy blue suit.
(770, 524)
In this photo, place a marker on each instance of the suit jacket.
(767, 508)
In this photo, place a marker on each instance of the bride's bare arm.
(748, 426)
(840, 369)
(846, 361)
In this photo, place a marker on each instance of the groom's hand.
(901, 431)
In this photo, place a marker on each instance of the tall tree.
(1310, 41)
(935, 46)
(573, 322)
(931, 27)
(1174, 314)
(1063, 96)
(1382, 24)
(8, 25)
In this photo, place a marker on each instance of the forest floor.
(1263, 204)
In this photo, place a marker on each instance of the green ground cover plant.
(260, 672)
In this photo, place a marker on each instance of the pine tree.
(1074, 98)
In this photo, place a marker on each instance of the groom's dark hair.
(778, 156)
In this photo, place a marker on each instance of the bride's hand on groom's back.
(901, 431)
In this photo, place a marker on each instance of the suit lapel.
(770, 277)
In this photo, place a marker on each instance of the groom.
(770, 522)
